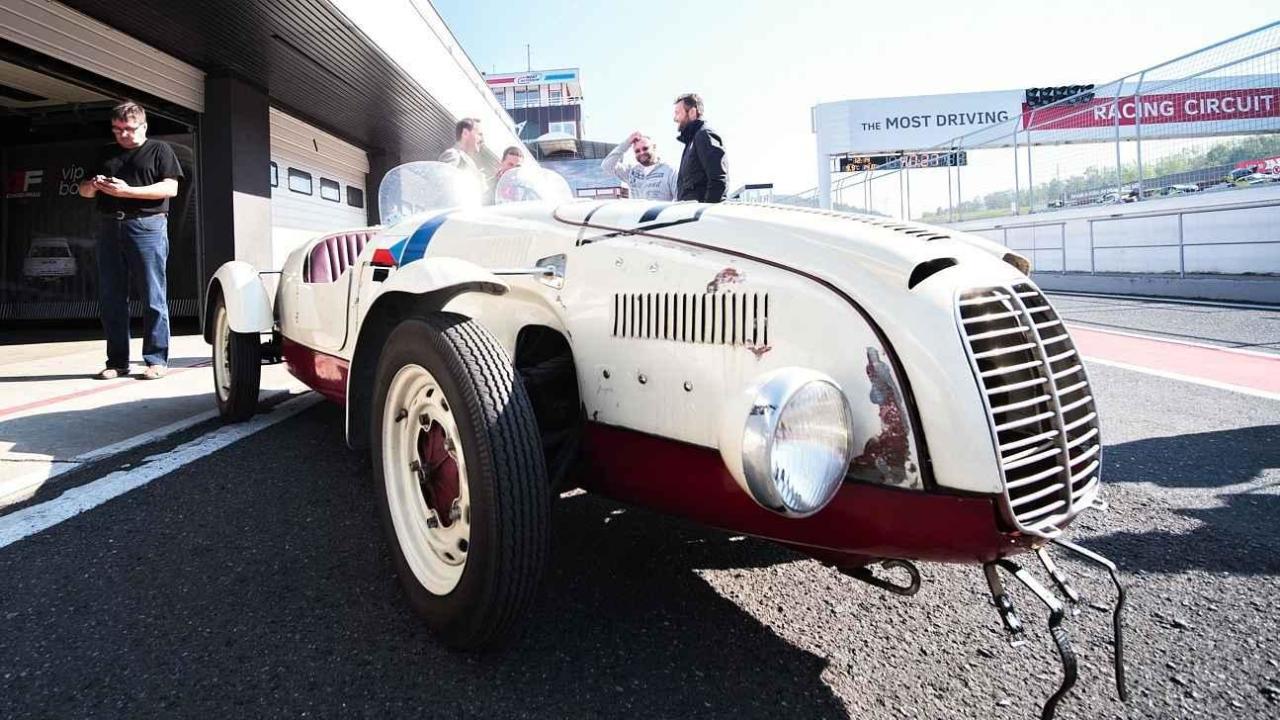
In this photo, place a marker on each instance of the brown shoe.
(154, 372)
(112, 373)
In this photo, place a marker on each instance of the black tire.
(237, 367)
(510, 504)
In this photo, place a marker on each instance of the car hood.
(854, 252)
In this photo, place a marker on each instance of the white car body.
(972, 430)
(641, 252)
(49, 259)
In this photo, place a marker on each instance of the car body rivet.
(688, 386)
(653, 267)
(606, 374)
(617, 263)
(643, 378)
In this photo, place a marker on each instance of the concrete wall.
(1225, 232)
(1234, 288)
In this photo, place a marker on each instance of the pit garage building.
(284, 115)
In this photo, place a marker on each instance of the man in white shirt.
(648, 178)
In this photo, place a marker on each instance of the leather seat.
(333, 254)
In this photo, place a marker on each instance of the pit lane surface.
(255, 582)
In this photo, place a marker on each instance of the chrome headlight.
(797, 442)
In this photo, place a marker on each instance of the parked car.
(49, 259)
(869, 392)
(1257, 179)
(1239, 174)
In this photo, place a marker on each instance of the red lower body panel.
(326, 374)
(861, 522)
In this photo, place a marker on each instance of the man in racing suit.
(648, 178)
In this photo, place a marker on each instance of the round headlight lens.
(811, 447)
(798, 442)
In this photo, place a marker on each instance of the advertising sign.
(48, 233)
(1242, 104)
(1186, 107)
(1269, 165)
(859, 163)
(534, 77)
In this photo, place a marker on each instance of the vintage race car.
(865, 391)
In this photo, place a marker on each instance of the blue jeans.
(134, 249)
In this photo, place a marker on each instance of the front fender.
(421, 287)
(442, 274)
(248, 305)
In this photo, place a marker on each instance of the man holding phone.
(137, 178)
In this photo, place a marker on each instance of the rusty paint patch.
(759, 350)
(886, 457)
(727, 276)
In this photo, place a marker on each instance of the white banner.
(1168, 109)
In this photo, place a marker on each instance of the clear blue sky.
(762, 64)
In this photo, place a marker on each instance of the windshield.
(419, 187)
(49, 251)
(527, 183)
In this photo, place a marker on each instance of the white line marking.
(1174, 301)
(29, 521)
(16, 490)
(1187, 378)
(1077, 325)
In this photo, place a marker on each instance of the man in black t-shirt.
(137, 178)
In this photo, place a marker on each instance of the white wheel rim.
(222, 354)
(419, 432)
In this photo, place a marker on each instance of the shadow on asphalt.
(1240, 537)
(1197, 460)
(257, 582)
(92, 371)
(26, 332)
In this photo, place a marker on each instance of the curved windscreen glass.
(419, 187)
(529, 182)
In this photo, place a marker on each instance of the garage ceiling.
(22, 89)
(307, 56)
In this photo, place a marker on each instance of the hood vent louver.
(722, 318)
(926, 269)
(924, 232)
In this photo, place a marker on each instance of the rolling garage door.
(317, 184)
(56, 30)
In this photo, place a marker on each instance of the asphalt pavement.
(256, 582)
(1241, 327)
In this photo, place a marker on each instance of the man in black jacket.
(704, 173)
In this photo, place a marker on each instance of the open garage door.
(55, 30)
(317, 184)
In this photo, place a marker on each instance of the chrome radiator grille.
(1039, 403)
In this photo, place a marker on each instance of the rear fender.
(248, 305)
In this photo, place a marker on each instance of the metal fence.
(1093, 245)
(1109, 145)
